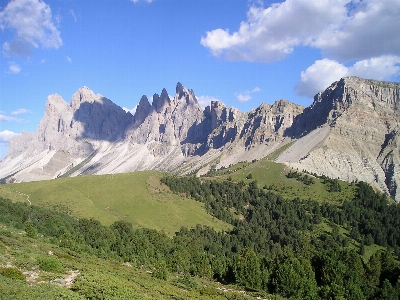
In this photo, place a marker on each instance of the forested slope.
(293, 248)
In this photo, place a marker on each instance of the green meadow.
(272, 176)
(138, 198)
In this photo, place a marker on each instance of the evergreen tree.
(30, 229)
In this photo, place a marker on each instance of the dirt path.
(22, 194)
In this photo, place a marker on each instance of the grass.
(273, 176)
(98, 278)
(137, 197)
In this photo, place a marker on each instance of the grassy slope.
(137, 197)
(271, 174)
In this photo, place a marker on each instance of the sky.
(240, 52)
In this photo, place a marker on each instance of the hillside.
(293, 248)
(66, 274)
(138, 198)
(274, 177)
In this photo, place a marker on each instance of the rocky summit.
(351, 132)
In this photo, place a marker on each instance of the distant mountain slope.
(350, 131)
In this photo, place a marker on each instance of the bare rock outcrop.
(360, 139)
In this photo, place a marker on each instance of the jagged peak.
(143, 110)
(164, 93)
(179, 88)
(144, 102)
(182, 93)
(56, 101)
(160, 102)
(83, 94)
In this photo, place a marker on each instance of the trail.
(22, 194)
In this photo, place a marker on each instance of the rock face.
(351, 131)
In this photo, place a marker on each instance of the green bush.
(160, 271)
(96, 285)
(49, 264)
(12, 273)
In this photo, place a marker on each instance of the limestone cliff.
(350, 132)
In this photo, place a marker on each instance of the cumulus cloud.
(343, 29)
(5, 137)
(33, 23)
(14, 68)
(20, 111)
(205, 101)
(323, 72)
(246, 95)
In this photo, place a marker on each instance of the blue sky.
(241, 52)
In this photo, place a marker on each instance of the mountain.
(349, 132)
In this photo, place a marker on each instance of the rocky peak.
(84, 94)
(221, 114)
(359, 95)
(142, 111)
(180, 89)
(161, 102)
(55, 104)
(182, 93)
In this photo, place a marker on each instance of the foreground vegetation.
(298, 248)
(23, 277)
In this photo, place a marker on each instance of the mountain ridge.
(350, 131)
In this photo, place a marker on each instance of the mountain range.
(350, 132)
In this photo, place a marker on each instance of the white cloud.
(69, 59)
(137, 1)
(5, 137)
(14, 68)
(205, 101)
(32, 21)
(370, 29)
(72, 13)
(20, 111)
(4, 118)
(379, 68)
(132, 111)
(343, 29)
(323, 72)
(243, 97)
(246, 95)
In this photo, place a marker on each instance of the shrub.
(49, 264)
(12, 273)
(160, 271)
